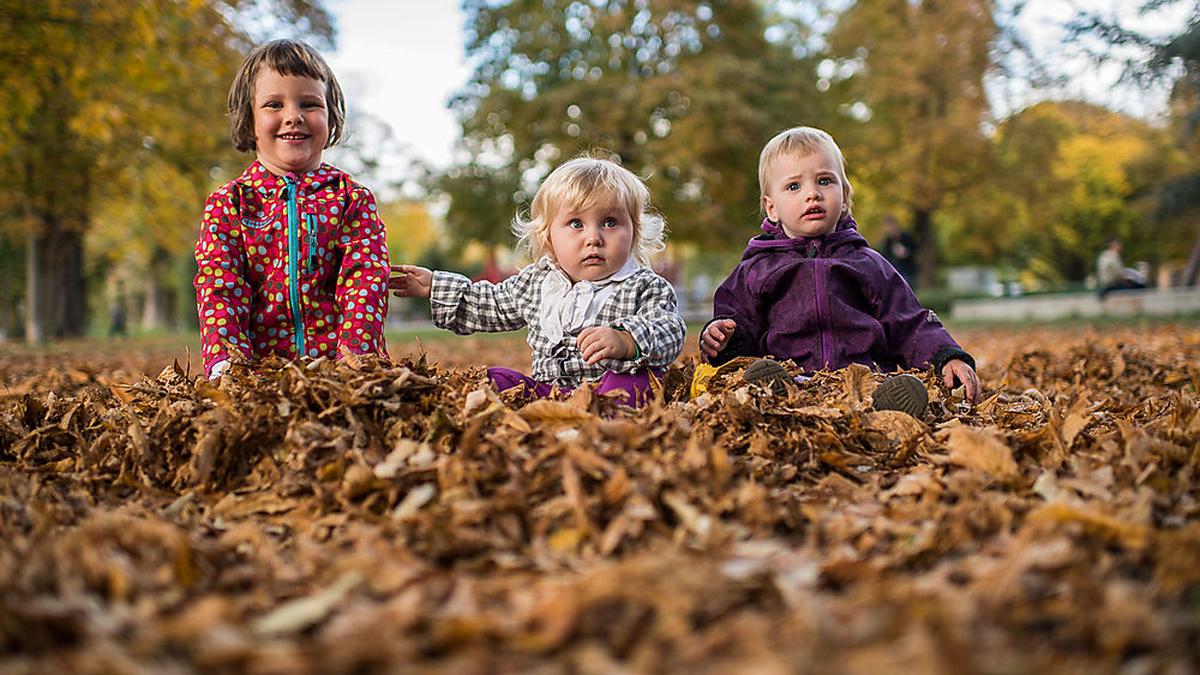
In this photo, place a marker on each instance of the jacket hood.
(842, 239)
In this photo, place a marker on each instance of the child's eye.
(313, 104)
(575, 223)
(272, 104)
(792, 187)
(825, 180)
(609, 222)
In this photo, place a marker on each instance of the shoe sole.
(905, 393)
(770, 373)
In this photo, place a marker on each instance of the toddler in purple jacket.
(810, 289)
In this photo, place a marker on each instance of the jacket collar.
(258, 177)
(774, 238)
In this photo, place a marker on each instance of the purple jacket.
(826, 302)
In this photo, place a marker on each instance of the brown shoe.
(770, 373)
(905, 393)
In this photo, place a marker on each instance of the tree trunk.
(56, 205)
(156, 313)
(926, 247)
(55, 290)
(1193, 267)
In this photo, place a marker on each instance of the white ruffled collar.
(567, 307)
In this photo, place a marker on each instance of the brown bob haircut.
(286, 57)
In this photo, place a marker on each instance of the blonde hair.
(580, 183)
(286, 57)
(803, 141)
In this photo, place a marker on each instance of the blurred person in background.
(900, 249)
(1112, 274)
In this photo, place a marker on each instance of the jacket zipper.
(293, 266)
(822, 309)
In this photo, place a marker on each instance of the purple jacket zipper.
(822, 306)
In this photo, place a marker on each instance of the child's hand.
(410, 281)
(713, 339)
(602, 342)
(958, 371)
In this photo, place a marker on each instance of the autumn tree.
(1067, 176)
(915, 73)
(1173, 60)
(94, 89)
(683, 92)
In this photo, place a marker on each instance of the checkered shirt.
(643, 305)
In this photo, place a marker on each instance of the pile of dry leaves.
(367, 517)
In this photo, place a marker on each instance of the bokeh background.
(1011, 139)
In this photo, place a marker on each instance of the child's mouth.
(293, 137)
(594, 259)
(813, 213)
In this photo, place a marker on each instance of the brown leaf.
(980, 450)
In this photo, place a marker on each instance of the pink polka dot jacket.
(292, 265)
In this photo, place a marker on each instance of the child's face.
(592, 243)
(291, 122)
(805, 194)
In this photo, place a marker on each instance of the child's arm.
(916, 335)
(456, 304)
(715, 336)
(362, 281)
(222, 293)
(410, 281)
(737, 321)
(654, 324)
(601, 342)
(959, 371)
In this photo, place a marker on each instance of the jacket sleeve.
(456, 304)
(915, 335)
(656, 328)
(735, 299)
(222, 292)
(361, 292)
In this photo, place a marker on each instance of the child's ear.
(768, 208)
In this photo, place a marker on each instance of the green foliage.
(683, 92)
(1172, 59)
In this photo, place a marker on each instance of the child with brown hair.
(292, 254)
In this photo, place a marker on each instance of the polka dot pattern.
(243, 292)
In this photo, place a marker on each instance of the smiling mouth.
(292, 137)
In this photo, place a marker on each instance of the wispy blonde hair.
(801, 142)
(580, 183)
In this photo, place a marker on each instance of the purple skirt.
(635, 385)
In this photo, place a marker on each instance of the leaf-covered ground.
(365, 517)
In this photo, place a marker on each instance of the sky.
(400, 61)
